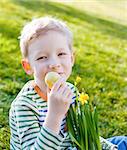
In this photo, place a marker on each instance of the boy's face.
(50, 52)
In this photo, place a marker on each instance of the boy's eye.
(61, 54)
(43, 57)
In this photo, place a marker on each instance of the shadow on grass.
(71, 14)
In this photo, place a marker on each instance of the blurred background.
(100, 42)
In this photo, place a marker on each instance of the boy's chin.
(40, 81)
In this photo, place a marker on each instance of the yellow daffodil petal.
(83, 98)
(78, 79)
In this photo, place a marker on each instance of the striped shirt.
(26, 118)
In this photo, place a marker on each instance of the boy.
(37, 115)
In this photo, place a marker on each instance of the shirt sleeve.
(31, 135)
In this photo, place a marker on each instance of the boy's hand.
(59, 100)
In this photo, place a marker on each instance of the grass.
(101, 50)
(107, 9)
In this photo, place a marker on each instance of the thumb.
(48, 90)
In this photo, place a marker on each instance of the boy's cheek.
(39, 74)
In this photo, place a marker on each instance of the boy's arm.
(59, 100)
(31, 134)
(25, 126)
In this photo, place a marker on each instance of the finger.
(66, 91)
(70, 97)
(58, 84)
(48, 90)
(62, 89)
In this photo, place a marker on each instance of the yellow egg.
(51, 78)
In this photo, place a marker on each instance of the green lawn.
(107, 9)
(101, 50)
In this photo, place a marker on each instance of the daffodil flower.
(83, 98)
(78, 80)
(82, 122)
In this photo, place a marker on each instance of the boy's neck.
(42, 86)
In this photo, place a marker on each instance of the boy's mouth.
(60, 73)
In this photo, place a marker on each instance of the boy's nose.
(54, 66)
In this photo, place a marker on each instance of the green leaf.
(74, 140)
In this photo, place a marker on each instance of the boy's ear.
(26, 67)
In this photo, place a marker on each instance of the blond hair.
(39, 26)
